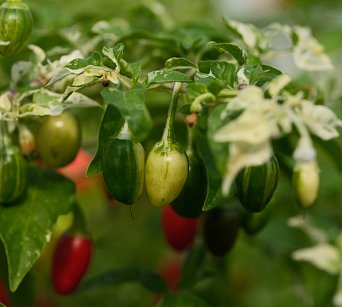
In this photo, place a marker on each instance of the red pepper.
(4, 295)
(179, 232)
(70, 262)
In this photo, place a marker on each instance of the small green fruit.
(166, 173)
(15, 26)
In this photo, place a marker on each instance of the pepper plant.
(243, 117)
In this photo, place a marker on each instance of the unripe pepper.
(256, 185)
(13, 169)
(190, 201)
(123, 167)
(59, 139)
(167, 164)
(220, 229)
(15, 26)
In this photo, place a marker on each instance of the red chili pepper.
(4, 295)
(70, 262)
(179, 232)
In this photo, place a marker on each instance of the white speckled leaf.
(26, 226)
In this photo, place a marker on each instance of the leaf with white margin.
(278, 83)
(80, 100)
(320, 120)
(38, 110)
(62, 74)
(323, 256)
(308, 54)
(249, 34)
(242, 155)
(38, 52)
(45, 102)
(305, 224)
(83, 79)
(242, 78)
(114, 54)
(18, 70)
(65, 59)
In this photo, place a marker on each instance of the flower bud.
(306, 183)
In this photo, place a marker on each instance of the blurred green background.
(259, 271)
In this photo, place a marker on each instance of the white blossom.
(308, 53)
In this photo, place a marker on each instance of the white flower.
(277, 84)
(323, 256)
(251, 127)
(249, 135)
(320, 120)
(308, 53)
(242, 155)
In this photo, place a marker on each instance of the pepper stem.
(79, 225)
(169, 126)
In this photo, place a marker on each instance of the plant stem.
(79, 225)
(169, 126)
(5, 140)
(196, 105)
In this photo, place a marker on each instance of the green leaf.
(238, 53)
(131, 105)
(94, 59)
(110, 278)
(219, 150)
(212, 84)
(132, 70)
(111, 124)
(184, 299)
(26, 225)
(166, 76)
(222, 70)
(179, 63)
(261, 73)
(115, 54)
(152, 281)
(161, 41)
(148, 279)
(196, 89)
(193, 265)
(213, 156)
